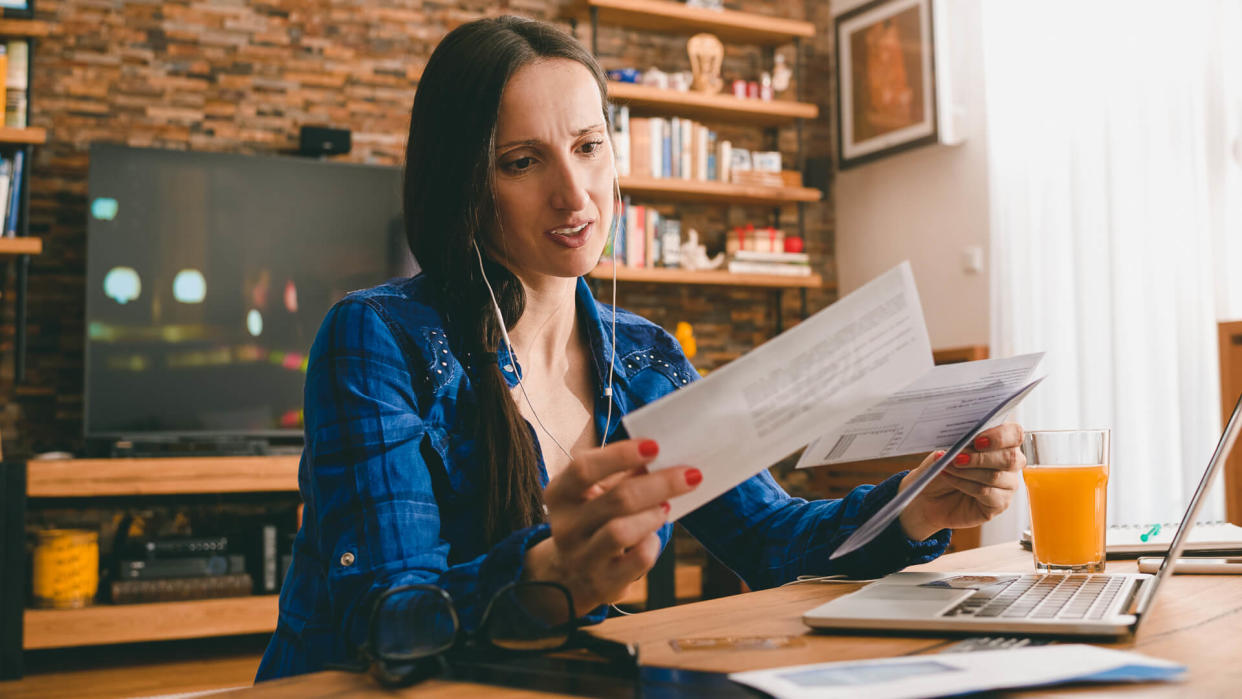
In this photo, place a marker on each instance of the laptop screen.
(1227, 438)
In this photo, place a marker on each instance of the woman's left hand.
(976, 487)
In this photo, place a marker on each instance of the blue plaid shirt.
(393, 496)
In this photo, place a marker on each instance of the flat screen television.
(207, 276)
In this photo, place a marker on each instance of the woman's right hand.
(605, 511)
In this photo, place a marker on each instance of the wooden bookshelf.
(712, 192)
(24, 27)
(718, 107)
(21, 246)
(661, 275)
(30, 134)
(671, 17)
(159, 621)
(198, 474)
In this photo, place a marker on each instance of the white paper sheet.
(948, 674)
(931, 413)
(765, 405)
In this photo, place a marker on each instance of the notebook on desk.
(1012, 603)
(1131, 540)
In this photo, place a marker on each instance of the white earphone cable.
(513, 359)
(612, 359)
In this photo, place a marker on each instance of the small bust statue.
(706, 58)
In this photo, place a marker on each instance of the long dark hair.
(449, 206)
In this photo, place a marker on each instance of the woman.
(428, 461)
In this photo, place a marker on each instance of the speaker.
(319, 141)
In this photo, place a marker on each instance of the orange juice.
(1068, 507)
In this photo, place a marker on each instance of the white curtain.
(1115, 212)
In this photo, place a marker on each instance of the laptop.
(1096, 605)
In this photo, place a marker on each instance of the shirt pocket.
(437, 452)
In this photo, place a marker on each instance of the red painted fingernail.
(982, 442)
(694, 476)
(962, 459)
(648, 448)
(666, 507)
(938, 454)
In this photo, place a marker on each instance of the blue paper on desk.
(950, 674)
(885, 516)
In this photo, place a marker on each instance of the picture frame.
(887, 99)
(17, 9)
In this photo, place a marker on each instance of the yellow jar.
(65, 570)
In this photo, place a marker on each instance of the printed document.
(931, 413)
(808, 381)
(949, 674)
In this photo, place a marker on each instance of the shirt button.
(347, 559)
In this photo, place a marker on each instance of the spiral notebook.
(1128, 540)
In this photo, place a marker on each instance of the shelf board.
(24, 27)
(198, 474)
(702, 105)
(159, 621)
(21, 246)
(30, 134)
(677, 189)
(715, 277)
(672, 17)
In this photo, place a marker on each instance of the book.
(657, 147)
(621, 140)
(267, 561)
(1127, 540)
(651, 242)
(173, 589)
(687, 163)
(175, 547)
(713, 149)
(674, 146)
(16, 80)
(670, 242)
(6, 175)
(183, 567)
(781, 268)
(635, 237)
(724, 162)
(640, 147)
(784, 257)
(702, 136)
(4, 70)
(13, 205)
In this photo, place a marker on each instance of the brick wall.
(242, 77)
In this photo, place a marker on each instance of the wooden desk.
(1195, 621)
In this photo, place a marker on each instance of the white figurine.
(694, 255)
(781, 74)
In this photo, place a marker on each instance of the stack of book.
(645, 238)
(181, 568)
(794, 264)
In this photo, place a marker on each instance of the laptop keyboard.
(1043, 597)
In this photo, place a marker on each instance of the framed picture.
(22, 9)
(886, 80)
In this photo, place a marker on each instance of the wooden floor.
(139, 669)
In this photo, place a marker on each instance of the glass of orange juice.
(1066, 478)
